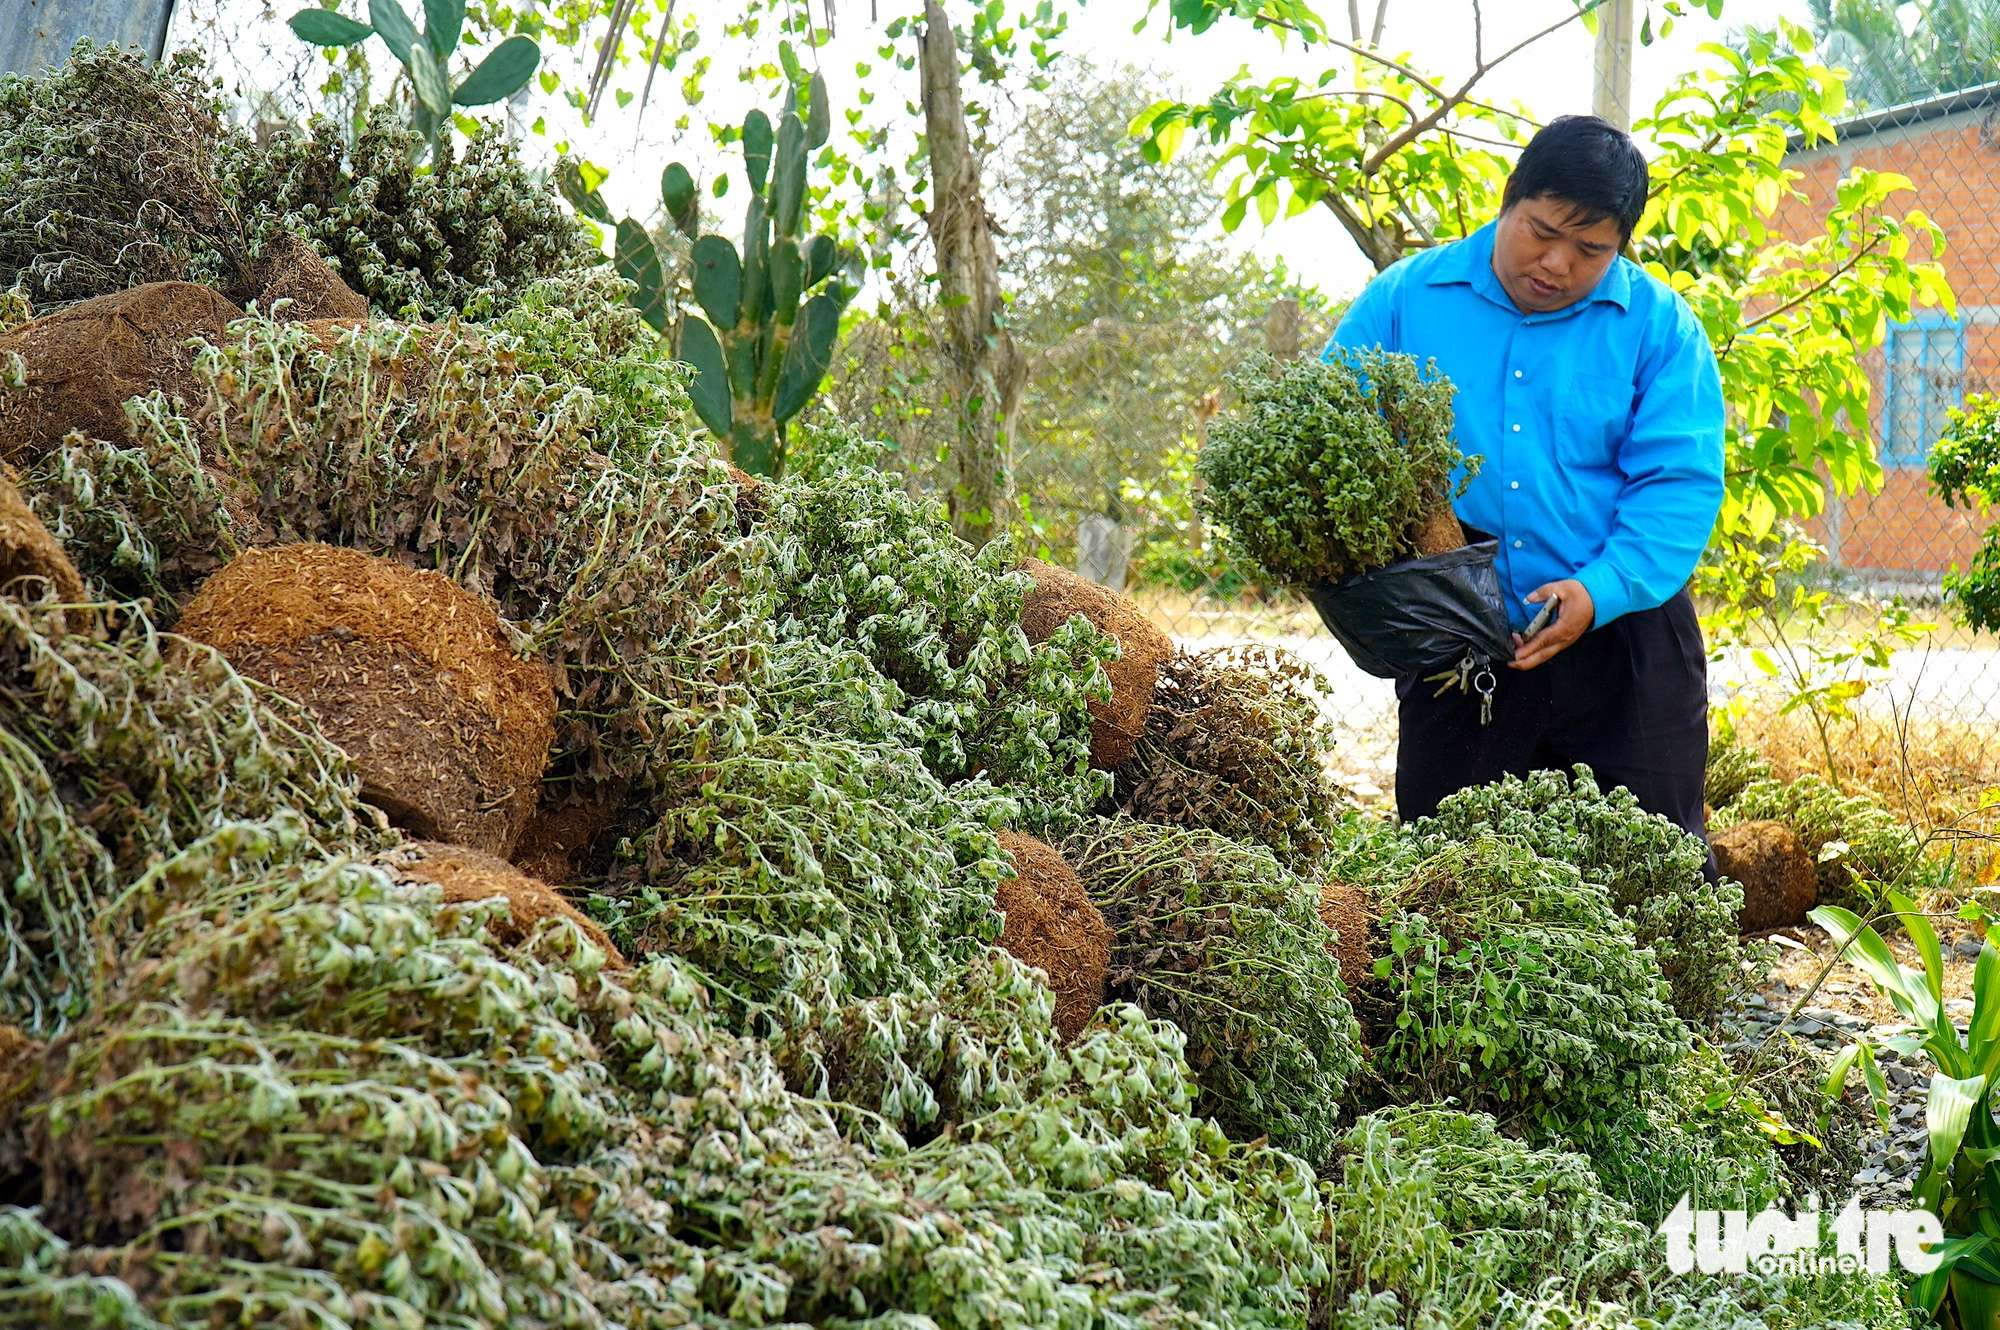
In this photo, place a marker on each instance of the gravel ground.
(1847, 1008)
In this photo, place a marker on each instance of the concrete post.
(1611, 98)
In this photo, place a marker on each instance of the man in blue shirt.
(1589, 388)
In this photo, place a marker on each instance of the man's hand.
(1573, 618)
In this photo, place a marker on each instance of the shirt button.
(1517, 429)
(1517, 544)
(1516, 485)
(1517, 373)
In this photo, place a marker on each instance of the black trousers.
(1630, 699)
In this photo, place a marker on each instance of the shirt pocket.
(1593, 418)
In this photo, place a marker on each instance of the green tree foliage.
(1650, 868)
(1897, 51)
(1790, 321)
(1129, 308)
(1324, 467)
(1965, 472)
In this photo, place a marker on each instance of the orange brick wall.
(1953, 163)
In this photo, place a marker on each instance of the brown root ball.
(1236, 744)
(1438, 533)
(1780, 881)
(468, 875)
(1052, 926)
(78, 366)
(1059, 594)
(558, 840)
(408, 672)
(1349, 913)
(27, 550)
(291, 269)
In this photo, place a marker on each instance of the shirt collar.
(1470, 262)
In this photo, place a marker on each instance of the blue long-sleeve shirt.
(1601, 423)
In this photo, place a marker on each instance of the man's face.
(1545, 259)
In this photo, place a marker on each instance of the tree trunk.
(986, 371)
(37, 34)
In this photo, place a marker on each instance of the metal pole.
(1611, 98)
(37, 34)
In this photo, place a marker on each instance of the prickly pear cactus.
(769, 311)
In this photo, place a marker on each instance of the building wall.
(1904, 533)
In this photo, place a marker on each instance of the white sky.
(1552, 77)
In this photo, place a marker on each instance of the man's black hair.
(1587, 163)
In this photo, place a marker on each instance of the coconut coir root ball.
(1348, 912)
(468, 875)
(79, 365)
(1059, 593)
(1780, 881)
(291, 269)
(1052, 926)
(27, 550)
(407, 671)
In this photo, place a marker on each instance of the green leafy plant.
(1323, 467)
(1858, 845)
(110, 176)
(466, 234)
(1962, 1142)
(1236, 742)
(769, 314)
(1513, 983)
(859, 565)
(1221, 940)
(1965, 472)
(427, 56)
(1650, 869)
(1732, 767)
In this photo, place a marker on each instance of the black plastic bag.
(1422, 615)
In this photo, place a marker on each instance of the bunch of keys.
(1468, 676)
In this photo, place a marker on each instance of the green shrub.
(110, 177)
(1965, 472)
(856, 564)
(115, 173)
(1218, 938)
(1732, 768)
(1322, 467)
(1236, 742)
(465, 235)
(628, 574)
(1513, 984)
(804, 869)
(1687, 1133)
(1881, 848)
(1496, 1215)
(299, 1088)
(1651, 868)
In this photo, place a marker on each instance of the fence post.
(1281, 329)
(38, 34)
(1611, 99)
